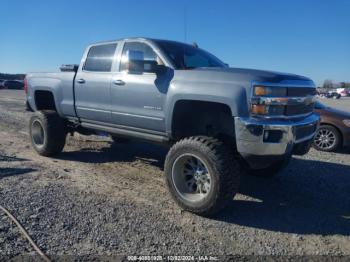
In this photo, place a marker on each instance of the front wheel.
(202, 174)
(48, 133)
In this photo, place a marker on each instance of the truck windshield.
(185, 56)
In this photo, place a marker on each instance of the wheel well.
(339, 131)
(192, 117)
(44, 100)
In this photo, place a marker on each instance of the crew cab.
(219, 122)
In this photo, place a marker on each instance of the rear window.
(100, 58)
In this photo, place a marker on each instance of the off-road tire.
(224, 167)
(271, 171)
(54, 132)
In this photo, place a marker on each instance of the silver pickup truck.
(220, 122)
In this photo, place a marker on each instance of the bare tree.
(328, 84)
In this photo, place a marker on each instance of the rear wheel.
(202, 174)
(48, 132)
(327, 138)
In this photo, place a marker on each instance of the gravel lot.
(102, 199)
(342, 103)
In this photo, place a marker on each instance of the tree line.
(329, 84)
(12, 76)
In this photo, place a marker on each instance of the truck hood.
(242, 75)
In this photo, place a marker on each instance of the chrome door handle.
(119, 82)
(81, 81)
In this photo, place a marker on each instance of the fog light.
(272, 136)
(255, 130)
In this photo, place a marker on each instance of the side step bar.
(127, 133)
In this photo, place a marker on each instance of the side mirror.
(161, 69)
(150, 66)
(69, 68)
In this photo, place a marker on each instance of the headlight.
(346, 122)
(270, 91)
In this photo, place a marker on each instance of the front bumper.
(269, 137)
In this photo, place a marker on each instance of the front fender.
(235, 97)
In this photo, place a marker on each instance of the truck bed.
(59, 83)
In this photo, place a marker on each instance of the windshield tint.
(186, 56)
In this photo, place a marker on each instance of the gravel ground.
(97, 198)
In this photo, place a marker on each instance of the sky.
(306, 37)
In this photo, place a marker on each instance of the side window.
(140, 52)
(100, 58)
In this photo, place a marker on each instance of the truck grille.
(301, 91)
(295, 101)
(291, 110)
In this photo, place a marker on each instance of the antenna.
(185, 23)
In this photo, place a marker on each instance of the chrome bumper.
(252, 135)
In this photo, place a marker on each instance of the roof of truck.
(121, 39)
(133, 38)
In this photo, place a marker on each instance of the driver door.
(138, 97)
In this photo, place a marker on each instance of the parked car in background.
(343, 91)
(333, 95)
(13, 84)
(321, 94)
(334, 129)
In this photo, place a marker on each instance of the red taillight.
(25, 85)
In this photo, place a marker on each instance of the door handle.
(81, 81)
(119, 82)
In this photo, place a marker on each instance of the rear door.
(93, 83)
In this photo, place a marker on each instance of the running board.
(127, 133)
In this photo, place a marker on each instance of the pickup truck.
(219, 122)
